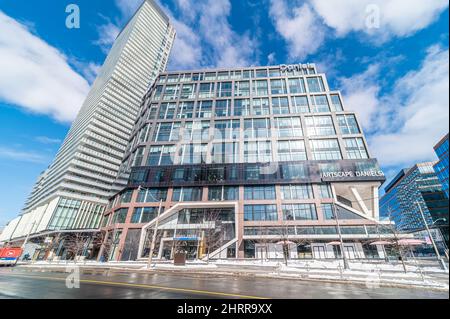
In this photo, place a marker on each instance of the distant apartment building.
(441, 167)
(238, 162)
(412, 187)
(73, 192)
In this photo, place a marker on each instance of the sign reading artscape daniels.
(346, 174)
(294, 67)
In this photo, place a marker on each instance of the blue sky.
(392, 71)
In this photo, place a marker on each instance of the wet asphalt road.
(31, 284)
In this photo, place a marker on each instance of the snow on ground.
(372, 274)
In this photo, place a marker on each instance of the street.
(18, 283)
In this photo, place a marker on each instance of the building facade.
(412, 187)
(245, 163)
(73, 192)
(441, 167)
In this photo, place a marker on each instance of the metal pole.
(152, 245)
(443, 265)
(344, 258)
(28, 235)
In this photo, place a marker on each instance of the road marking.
(116, 283)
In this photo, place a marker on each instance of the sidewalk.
(372, 275)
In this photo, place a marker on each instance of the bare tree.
(214, 233)
(393, 230)
(76, 243)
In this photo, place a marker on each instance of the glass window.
(327, 211)
(224, 89)
(120, 216)
(355, 148)
(261, 73)
(196, 131)
(293, 171)
(223, 75)
(288, 127)
(290, 192)
(167, 132)
(291, 151)
(325, 191)
(319, 126)
(187, 77)
(226, 130)
(300, 104)
(220, 193)
(206, 90)
(167, 111)
(260, 88)
(315, 84)
(299, 212)
(187, 194)
(193, 153)
(242, 88)
(348, 124)
(210, 76)
(138, 156)
(336, 103)
(325, 149)
(260, 213)
(258, 152)
(204, 109)
(273, 73)
(242, 107)
(161, 155)
(188, 91)
(280, 105)
(261, 106)
(125, 197)
(296, 86)
(157, 93)
(257, 128)
(278, 86)
(186, 110)
(259, 192)
(171, 92)
(172, 78)
(151, 195)
(319, 104)
(225, 153)
(223, 108)
(152, 114)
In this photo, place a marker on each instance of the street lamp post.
(440, 233)
(438, 255)
(344, 258)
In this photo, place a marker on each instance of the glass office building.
(441, 167)
(412, 187)
(240, 160)
(73, 192)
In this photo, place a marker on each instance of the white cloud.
(299, 26)
(47, 140)
(406, 123)
(397, 17)
(206, 39)
(107, 35)
(128, 7)
(24, 156)
(36, 76)
(361, 95)
(187, 50)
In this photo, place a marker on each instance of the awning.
(411, 242)
(381, 242)
(334, 243)
(285, 242)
